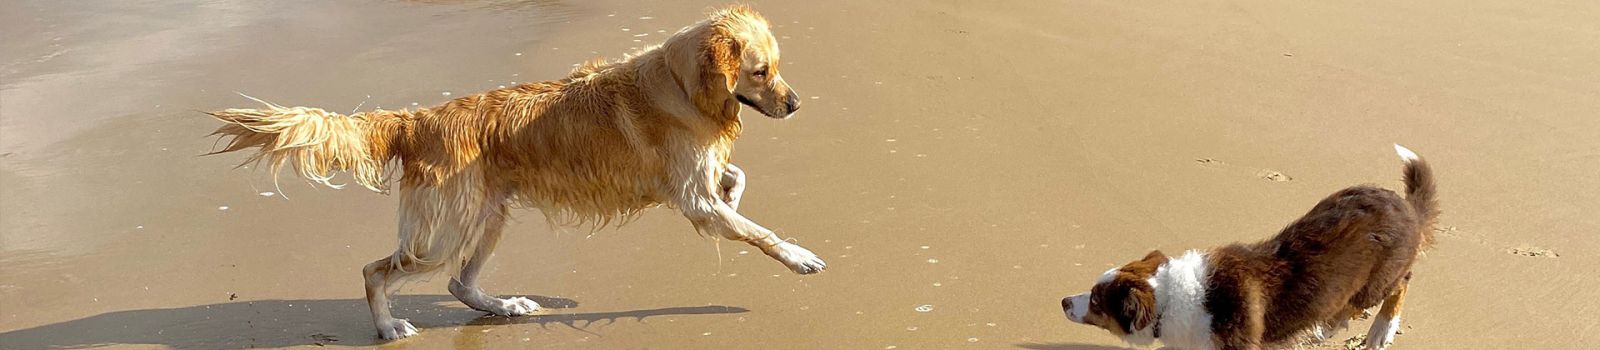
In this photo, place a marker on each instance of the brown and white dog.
(1353, 251)
(607, 141)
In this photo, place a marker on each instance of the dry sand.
(982, 158)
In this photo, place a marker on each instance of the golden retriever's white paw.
(798, 259)
(478, 300)
(517, 306)
(1382, 333)
(395, 328)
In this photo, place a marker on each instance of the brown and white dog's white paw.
(395, 328)
(1382, 333)
(798, 259)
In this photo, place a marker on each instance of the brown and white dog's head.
(1122, 301)
(731, 58)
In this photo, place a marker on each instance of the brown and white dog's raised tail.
(316, 142)
(1419, 191)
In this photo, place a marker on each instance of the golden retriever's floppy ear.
(705, 58)
(723, 49)
(725, 45)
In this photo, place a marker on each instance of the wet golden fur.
(609, 140)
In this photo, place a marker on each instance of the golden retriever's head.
(728, 59)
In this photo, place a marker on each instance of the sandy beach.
(961, 166)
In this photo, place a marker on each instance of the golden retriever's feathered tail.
(1420, 192)
(316, 142)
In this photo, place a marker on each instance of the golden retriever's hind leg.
(732, 185)
(382, 277)
(1387, 323)
(465, 285)
(438, 226)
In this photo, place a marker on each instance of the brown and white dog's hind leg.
(1388, 321)
(465, 285)
(732, 185)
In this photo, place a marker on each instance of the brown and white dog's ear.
(1138, 309)
(1134, 299)
(1154, 255)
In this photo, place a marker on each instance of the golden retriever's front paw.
(798, 259)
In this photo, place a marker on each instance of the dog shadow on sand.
(1073, 346)
(283, 323)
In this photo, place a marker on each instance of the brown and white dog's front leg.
(1245, 324)
(1388, 321)
(711, 215)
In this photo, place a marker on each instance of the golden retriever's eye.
(761, 72)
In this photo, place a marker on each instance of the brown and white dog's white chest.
(1176, 288)
(1183, 319)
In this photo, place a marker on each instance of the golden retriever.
(606, 142)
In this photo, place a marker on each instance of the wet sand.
(980, 159)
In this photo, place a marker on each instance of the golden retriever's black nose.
(1066, 303)
(793, 103)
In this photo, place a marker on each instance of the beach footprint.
(1261, 173)
(1531, 251)
(1271, 175)
(1479, 238)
